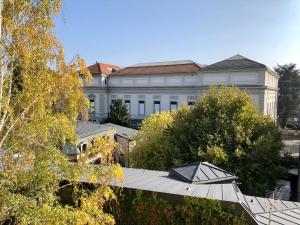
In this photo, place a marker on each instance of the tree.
(289, 87)
(119, 113)
(223, 128)
(150, 142)
(40, 97)
(136, 207)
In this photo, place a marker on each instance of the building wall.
(261, 85)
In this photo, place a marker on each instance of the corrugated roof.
(201, 173)
(102, 68)
(234, 62)
(160, 68)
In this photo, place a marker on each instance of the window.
(113, 101)
(92, 106)
(191, 103)
(173, 105)
(142, 107)
(127, 103)
(84, 148)
(156, 106)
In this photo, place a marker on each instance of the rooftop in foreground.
(164, 183)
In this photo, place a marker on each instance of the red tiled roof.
(160, 69)
(102, 68)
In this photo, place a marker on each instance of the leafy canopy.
(119, 113)
(289, 89)
(223, 128)
(149, 150)
(40, 98)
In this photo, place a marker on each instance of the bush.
(135, 209)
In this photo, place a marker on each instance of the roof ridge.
(195, 172)
(99, 67)
(243, 58)
(217, 168)
(163, 63)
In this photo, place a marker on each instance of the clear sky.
(125, 32)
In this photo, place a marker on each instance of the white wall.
(153, 80)
(149, 98)
(191, 85)
(182, 80)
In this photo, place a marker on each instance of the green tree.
(289, 89)
(40, 97)
(138, 208)
(150, 142)
(224, 128)
(119, 113)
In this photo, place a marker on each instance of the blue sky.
(125, 32)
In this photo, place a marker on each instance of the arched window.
(84, 148)
(92, 97)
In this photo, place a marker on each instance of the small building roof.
(125, 132)
(233, 63)
(169, 67)
(203, 172)
(102, 68)
(87, 129)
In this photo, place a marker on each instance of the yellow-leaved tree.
(40, 98)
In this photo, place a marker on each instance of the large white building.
(153, 87)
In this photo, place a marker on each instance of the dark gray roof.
(160, 181)
(203, 172)
(234, 63)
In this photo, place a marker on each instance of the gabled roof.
(201, 173)
(125, 132)
(235, 62)
(170, 67)
(87, 129)
(102, 68)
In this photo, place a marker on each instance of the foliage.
(289, 87)
(40, 97)
(223, 128)
(150, 142)
(136, 209)
(119, 113)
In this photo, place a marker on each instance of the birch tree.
(40, 98)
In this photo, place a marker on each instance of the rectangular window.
(142, 107)
(156, 106)
(173, 105)
(127, 103)
(191, 103)
(92, 106)
(113, 101)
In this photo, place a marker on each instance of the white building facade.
(163, 86)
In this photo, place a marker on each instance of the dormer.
(201, 173)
